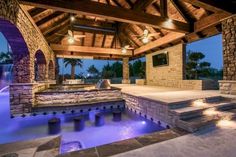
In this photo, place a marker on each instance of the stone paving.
(210, 142)
(166, 94)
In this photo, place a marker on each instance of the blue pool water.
(27, 128)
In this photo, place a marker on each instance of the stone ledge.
(127, 145)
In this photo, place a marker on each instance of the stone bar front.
(228, 84)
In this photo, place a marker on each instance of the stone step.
(197, 123)
(192, 111)
(187, 103)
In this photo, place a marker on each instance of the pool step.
(192, 111)
(197, 123)
(183, 104)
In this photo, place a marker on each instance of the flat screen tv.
(160, 59)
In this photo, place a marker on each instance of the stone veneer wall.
(172, 75)
(22, 96)
(125, 63)
(166, 75)
(14, 17)
(76, 97)
(14, 13)
(228, 84)
(151, 109)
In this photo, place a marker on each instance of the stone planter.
(140, 81)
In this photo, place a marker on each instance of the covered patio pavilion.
(40, 32)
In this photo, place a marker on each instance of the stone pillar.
(228, 84)
(126, 79)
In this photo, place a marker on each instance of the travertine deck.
(166, 94)
(210, 143)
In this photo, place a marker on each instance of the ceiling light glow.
(145, 40)
(71, 40)
(124, 50)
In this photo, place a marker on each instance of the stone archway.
(21, 55)
(51, 70)
(40, 66)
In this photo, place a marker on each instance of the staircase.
(193, 115)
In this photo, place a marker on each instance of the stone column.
(228, 84)
(126, 79)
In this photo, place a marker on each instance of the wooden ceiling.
(110, 24)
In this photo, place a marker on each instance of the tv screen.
(160, 59)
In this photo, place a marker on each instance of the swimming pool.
(31, 127)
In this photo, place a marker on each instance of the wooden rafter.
(159, 42)
(104, 40)
(214, 5)
(178, 5)
(56, 24)
(210, 21)
(163, 8)
(94, 39)
(49, 18)
(110, 12)
(35, 11)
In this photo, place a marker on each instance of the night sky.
(211, 47)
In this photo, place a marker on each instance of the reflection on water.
(27, 128)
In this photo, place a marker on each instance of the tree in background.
(195, 67)
(93, 70)
(107, 72)
(117, 69)
(6, 58)
(139, 69)
(73, 63)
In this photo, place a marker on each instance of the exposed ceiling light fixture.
(72, 18)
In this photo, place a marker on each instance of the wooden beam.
(86, 49)
(104, 40)
(92, 26)
(94, 39)
(163, 8)
(92, 8)
(159, 42)
(87, 56)
(35, 11)
(214, 5)
(178, 5)
(142, 5)
(48, 18)
(210, 21)
(55, 25)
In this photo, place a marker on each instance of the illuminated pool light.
(143, 122)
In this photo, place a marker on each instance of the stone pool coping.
(82, 104)
(127, 145)
(82, 90)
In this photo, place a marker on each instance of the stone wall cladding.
(151, 109)
(22, 96)
(77, 97)
(229, 48)
(13, 12)
(173, 74)
(228, 87)
(126, 79)
(228, 84)
(166, 74)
